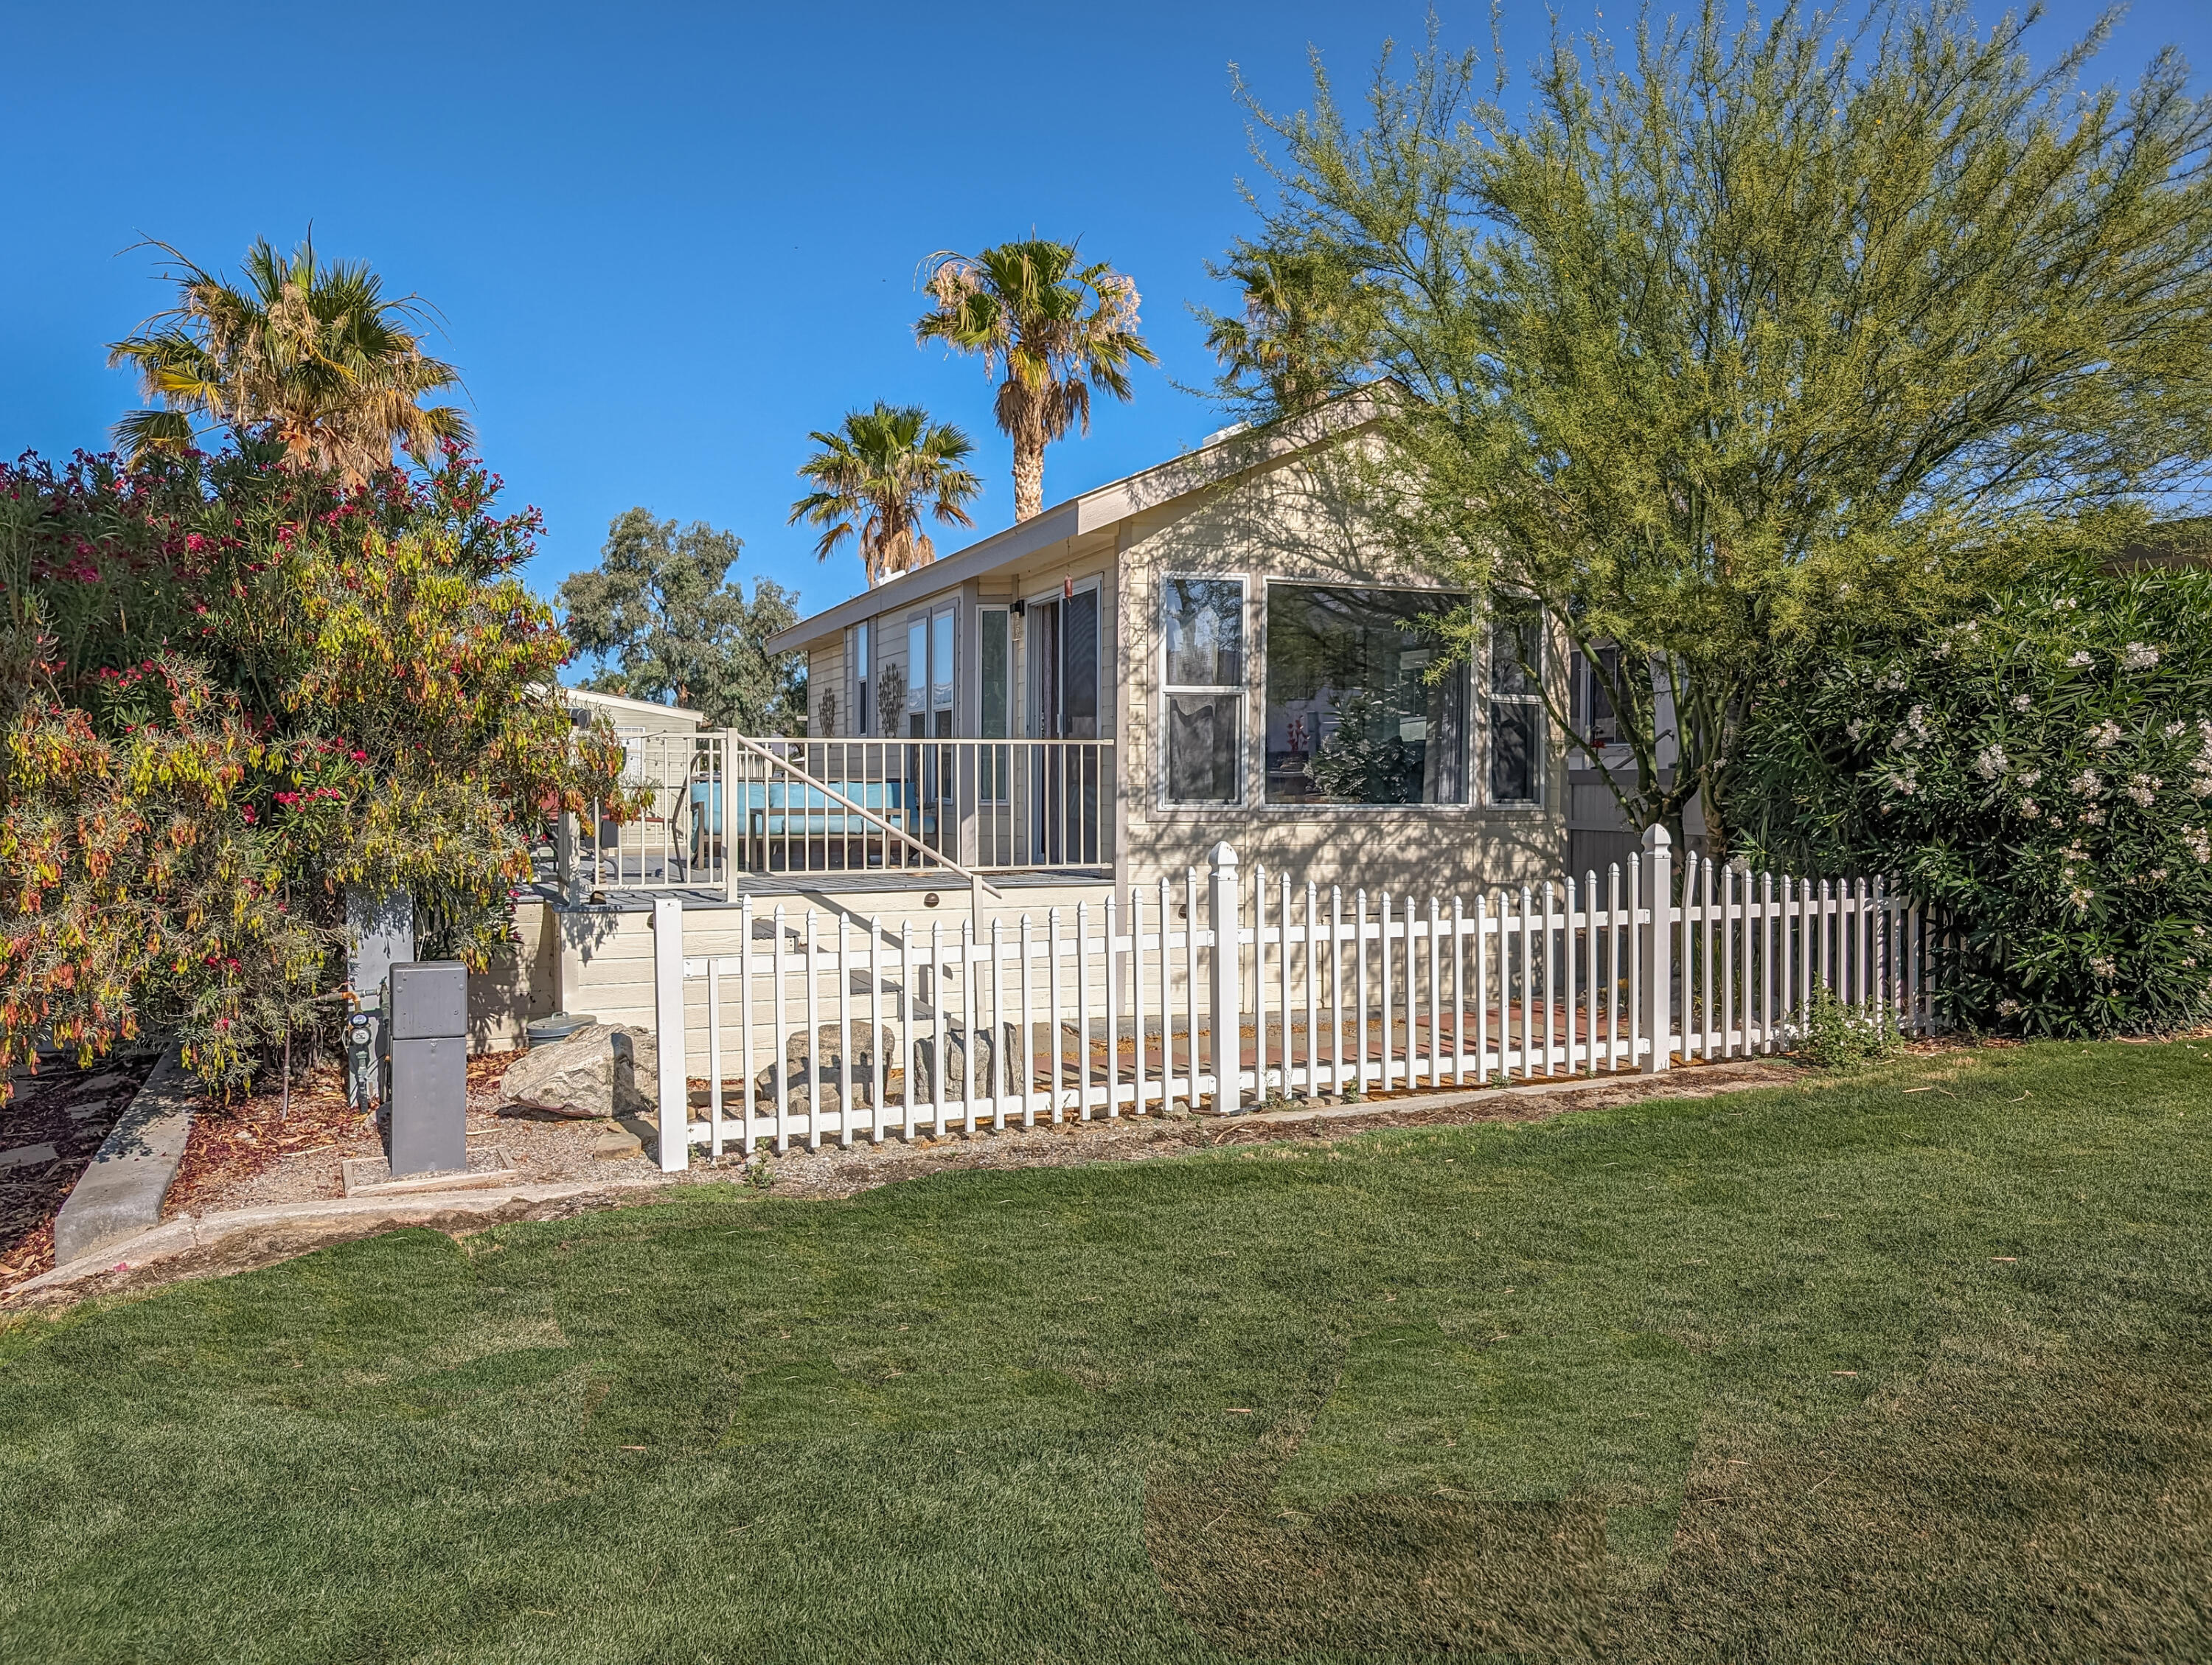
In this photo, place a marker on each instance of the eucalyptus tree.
(308, 350)
(1059, 327)
(668, 623)
(877, 478)
(1752, 333)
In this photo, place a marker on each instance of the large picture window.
(1202, 634)
(1353, 715)
(1516, 707)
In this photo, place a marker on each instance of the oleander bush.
(2039, 774)
(229, 690)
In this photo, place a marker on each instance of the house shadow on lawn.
(1379, 1573)
(2019, 1498)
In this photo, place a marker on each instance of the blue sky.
(668, 241)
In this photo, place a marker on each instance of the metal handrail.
(978, 886)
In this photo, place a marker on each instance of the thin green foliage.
(1752, 329)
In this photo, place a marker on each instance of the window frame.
(859, 678)
(1540, 762)
(1246, 637)
(1473, 756)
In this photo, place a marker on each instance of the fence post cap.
(1223, 855)
(1657, 837)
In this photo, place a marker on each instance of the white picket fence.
(1282, 993)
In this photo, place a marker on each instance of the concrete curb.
(243, 1238)
(121, 1192)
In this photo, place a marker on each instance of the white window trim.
(1163, 689)
(1475, 758)
(1483, 690)
(1066, 590)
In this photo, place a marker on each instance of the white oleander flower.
(2028, 777)
(2065, 604)
(2156, 875)
(2086, 784)
(2105, 735)
(2093, 816)
(2138, 656)
(2172, 730)
(2008, 1008)
(1990, 762)
(2104, 968)
(2020, 703)
(2081, 896)
(2143, 788)
(2078, 658)
(2030, 809)
(2200, 846)
(1855, 728)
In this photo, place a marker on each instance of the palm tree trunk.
(1028, 477)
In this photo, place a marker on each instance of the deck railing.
(723, 805)
(677, 842)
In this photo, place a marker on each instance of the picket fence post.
(1658, 945)
(1226, 1018)
(675, 1085)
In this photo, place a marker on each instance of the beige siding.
(827, 698)
(520, 985)
(1290, 522)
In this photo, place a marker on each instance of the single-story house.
(1217, 649)
(1213, 649)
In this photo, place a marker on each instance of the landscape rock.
(605, 1070)
(871, 1063)
(991, 1076)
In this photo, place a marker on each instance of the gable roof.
(1232, 451)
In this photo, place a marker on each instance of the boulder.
(607, 1070)
(990, 1075)
(871, 1062)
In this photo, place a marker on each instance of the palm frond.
(141, 434)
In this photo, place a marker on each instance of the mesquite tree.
(1749, 331)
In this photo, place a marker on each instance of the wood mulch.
(71, 1109)
(234, 1144)
(253, 1154)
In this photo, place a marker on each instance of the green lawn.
(1837, 1372)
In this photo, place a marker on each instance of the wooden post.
(1658, 945)
(1227, 1020)
(675, 1095)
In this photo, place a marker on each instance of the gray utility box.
(426, 1003)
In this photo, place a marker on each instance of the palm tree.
(882, 473)
(310, 350)
(1299, 341)
(1060, 329)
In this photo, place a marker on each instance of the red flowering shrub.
(231, 692)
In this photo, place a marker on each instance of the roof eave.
(1091, 511)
